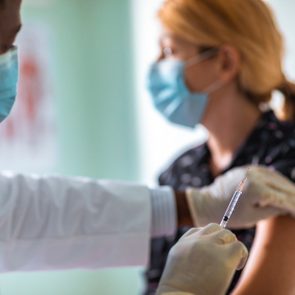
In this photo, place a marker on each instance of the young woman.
(220, 62)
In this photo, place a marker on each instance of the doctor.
(60, 223)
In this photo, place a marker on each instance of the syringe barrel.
(230, 208)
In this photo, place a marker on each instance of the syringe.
(233, 202)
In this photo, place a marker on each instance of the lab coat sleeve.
(61, 223)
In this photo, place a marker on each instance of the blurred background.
(82, 109)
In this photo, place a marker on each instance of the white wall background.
(284, 11)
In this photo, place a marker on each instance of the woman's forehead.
(168, 38)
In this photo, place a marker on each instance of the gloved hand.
(263, 188)
(281, 191)
(203, 262)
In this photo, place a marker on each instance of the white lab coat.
(61, 223)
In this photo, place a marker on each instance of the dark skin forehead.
(10, 4)
(3, 3)
(10, 23)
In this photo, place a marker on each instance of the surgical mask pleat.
(8, 82)
(171, 97)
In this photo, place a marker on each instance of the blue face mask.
(8, 82)
(171, 96)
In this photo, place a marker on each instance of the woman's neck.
(229, 120)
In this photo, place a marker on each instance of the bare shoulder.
(270, 268)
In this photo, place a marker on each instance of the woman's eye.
(168, 51)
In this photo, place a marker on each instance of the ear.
(229, 63)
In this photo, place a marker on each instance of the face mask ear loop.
(197, 59)
(213, 87)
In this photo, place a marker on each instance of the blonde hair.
(247, 25)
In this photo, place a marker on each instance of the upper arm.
(270, 268)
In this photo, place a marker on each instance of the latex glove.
(281, 191)
(264, 188)
(203, 262)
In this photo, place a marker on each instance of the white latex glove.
(264, 188)
(203, 262)
(281, 191)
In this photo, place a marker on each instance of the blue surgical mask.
(170, 95)
(8, 82)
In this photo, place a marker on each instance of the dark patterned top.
(271, 143)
